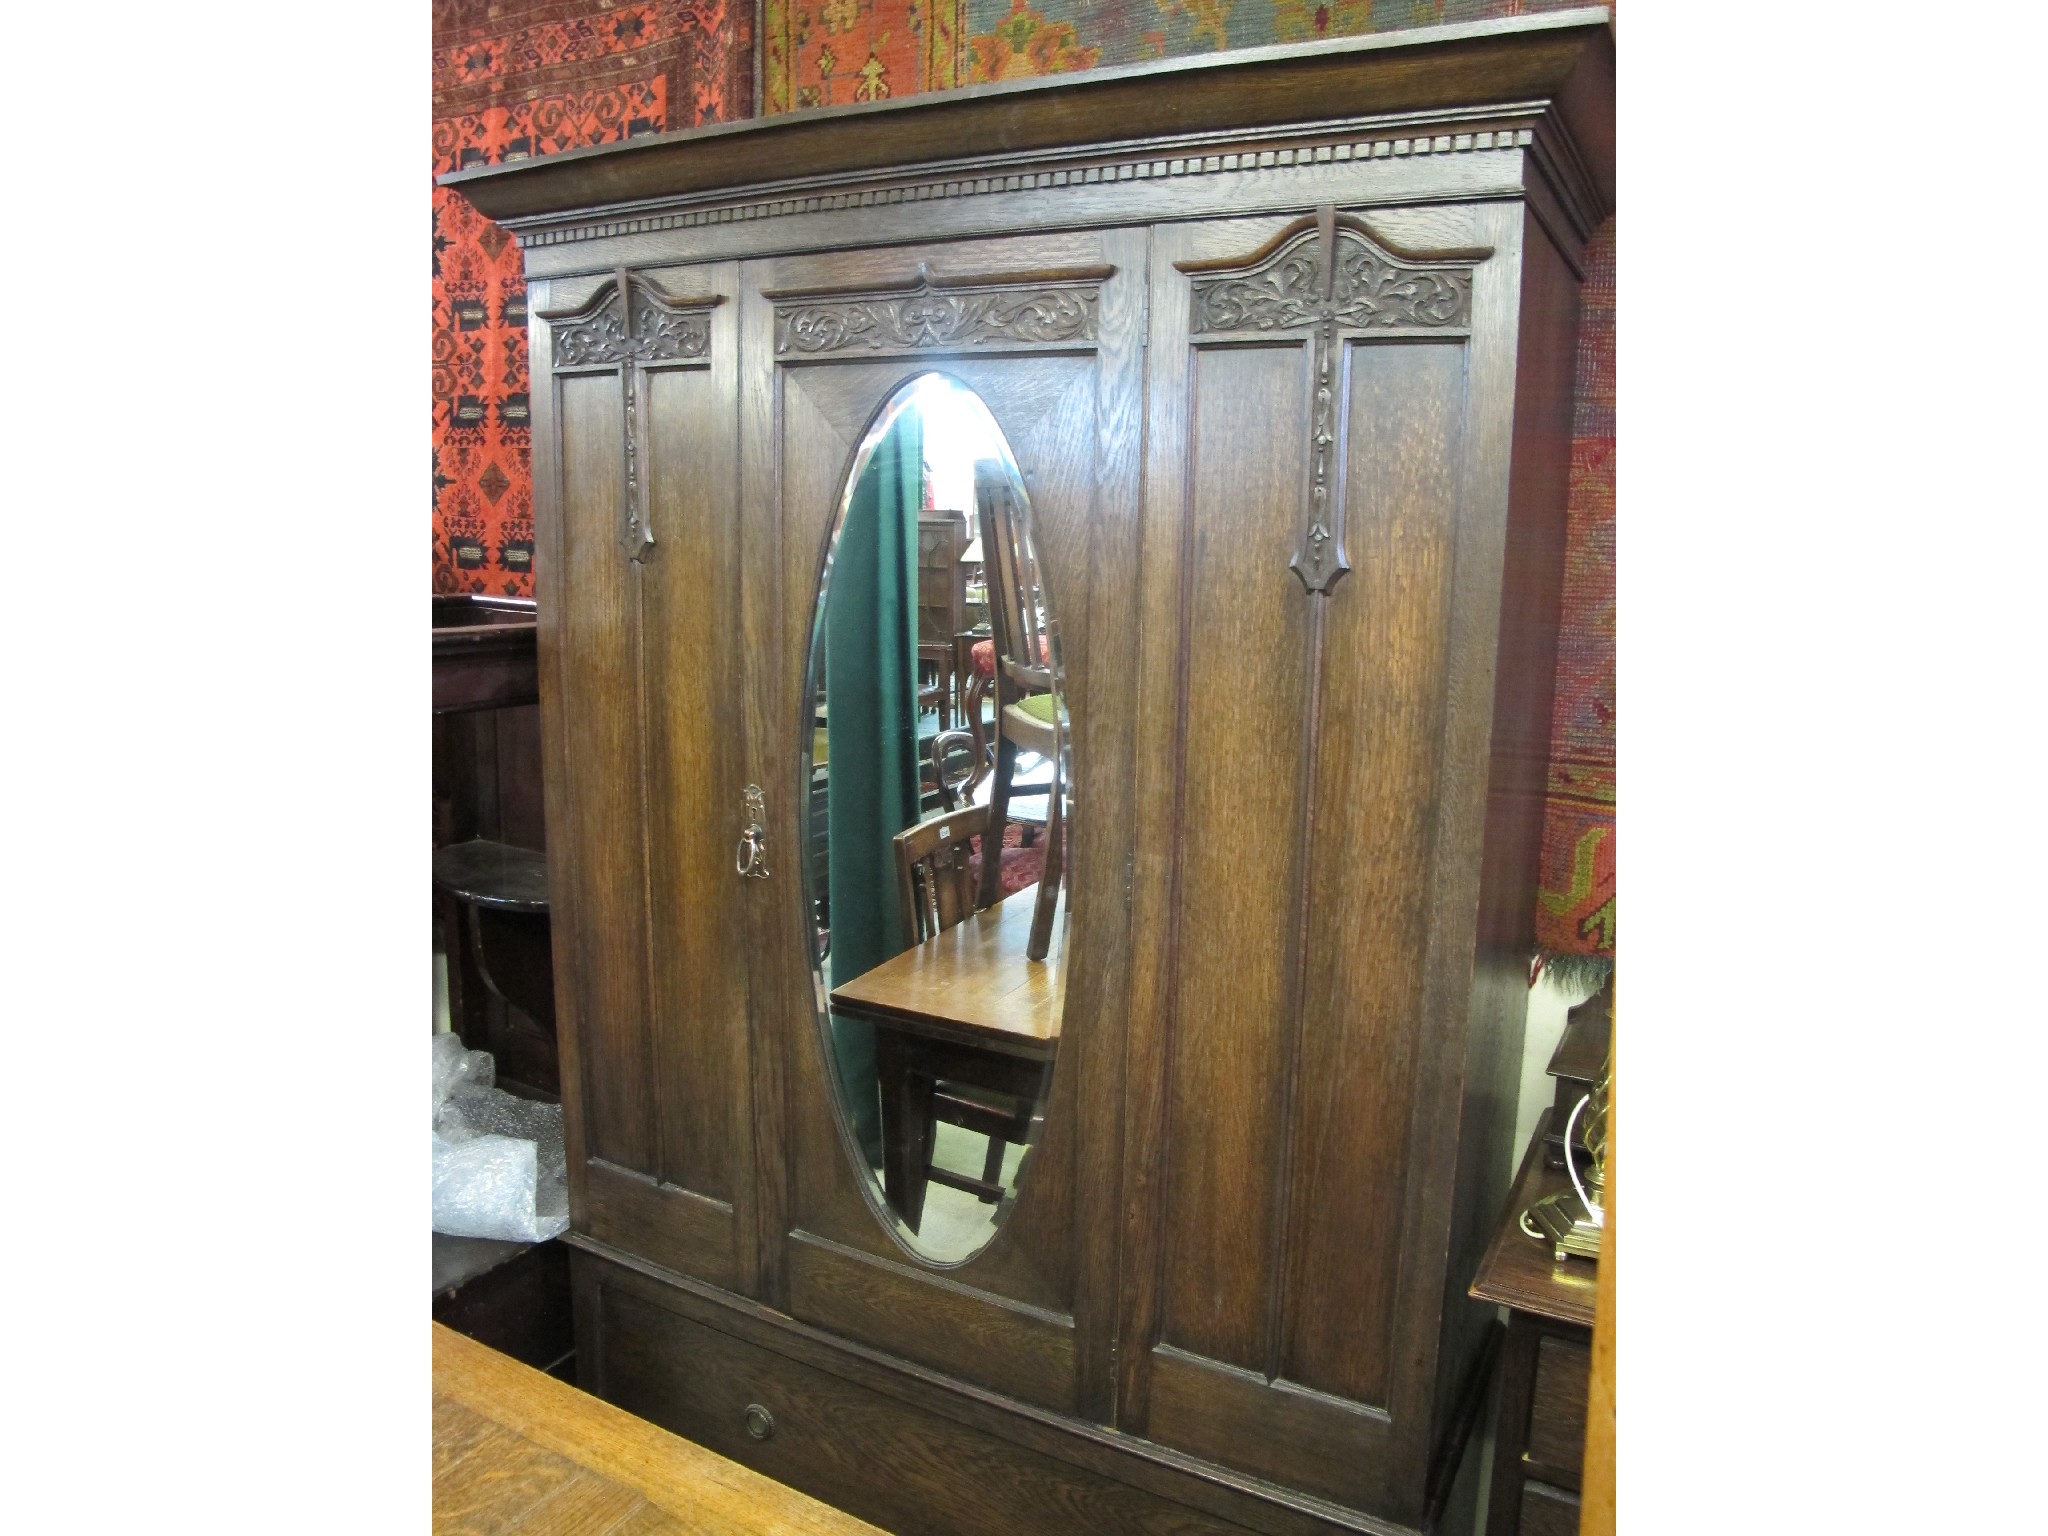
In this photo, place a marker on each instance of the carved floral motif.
(1329, 281)
(658, 334)
(938, 318)
(1369, 291)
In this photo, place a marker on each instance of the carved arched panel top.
(650, 326)
(1332, 271)
(1047, 309)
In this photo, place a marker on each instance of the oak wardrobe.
(1278, 348)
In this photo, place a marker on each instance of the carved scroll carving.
(624, 325)
(932, 316)
(1328, 280)
(658, 333)
(1368, 290)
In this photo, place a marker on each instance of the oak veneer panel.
(599, 666)
(1244, 695)
(1373, 820)
(689, 619)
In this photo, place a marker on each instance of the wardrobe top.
(1558, 67)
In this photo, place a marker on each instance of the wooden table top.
(971, 983)
(1518, 1270)
(514, 1449)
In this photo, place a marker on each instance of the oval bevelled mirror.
(936, 735)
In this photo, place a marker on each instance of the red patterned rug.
(514, 79)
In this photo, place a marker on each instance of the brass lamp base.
(1563, 1221)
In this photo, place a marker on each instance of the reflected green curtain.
(871, 711)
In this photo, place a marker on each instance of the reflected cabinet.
(1047, 604)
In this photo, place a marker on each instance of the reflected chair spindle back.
(933, 879)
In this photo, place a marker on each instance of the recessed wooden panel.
(690, 615)
(1373, 820)
(1021, 1351)
(1244, 696)
(686, 1232)
(599, 668)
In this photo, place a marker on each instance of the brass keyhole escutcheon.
(760, 1422)
(749, 861)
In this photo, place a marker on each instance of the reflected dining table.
(966, 1007)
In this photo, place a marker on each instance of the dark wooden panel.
(689, 623)
(598, 661)
(1373, 819)
(1548, 1511)
(1280, 1432)
(906, 1470)
(1024, 1352)
(1557, 1407)
(1244, 699)
(685, 1232)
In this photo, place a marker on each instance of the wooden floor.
(515, 1450)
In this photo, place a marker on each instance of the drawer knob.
(760, 1422)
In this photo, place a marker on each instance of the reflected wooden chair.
(958, 760)
(937, 889)
(1027, 706)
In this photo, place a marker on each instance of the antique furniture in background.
(500, 899)
(1283, 345)
(941, 604)
(1576, 1065)
(1540, 1420)
(487, 785)
(937, 885)
(1027, 715)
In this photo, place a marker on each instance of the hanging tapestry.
(511, 80)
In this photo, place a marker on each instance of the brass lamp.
(1571, 1221)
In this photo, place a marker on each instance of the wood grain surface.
(973, 977)
(1519, 1271)
(516, 1450)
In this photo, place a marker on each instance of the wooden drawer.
(903, 1468)
(1557, 1409)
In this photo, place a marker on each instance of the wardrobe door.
(1316, 616)
(1045, 333)
(635, 468)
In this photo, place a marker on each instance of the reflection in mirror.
(937, 735)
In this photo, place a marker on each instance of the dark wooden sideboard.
(1282, 345)
(1540, 1422)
